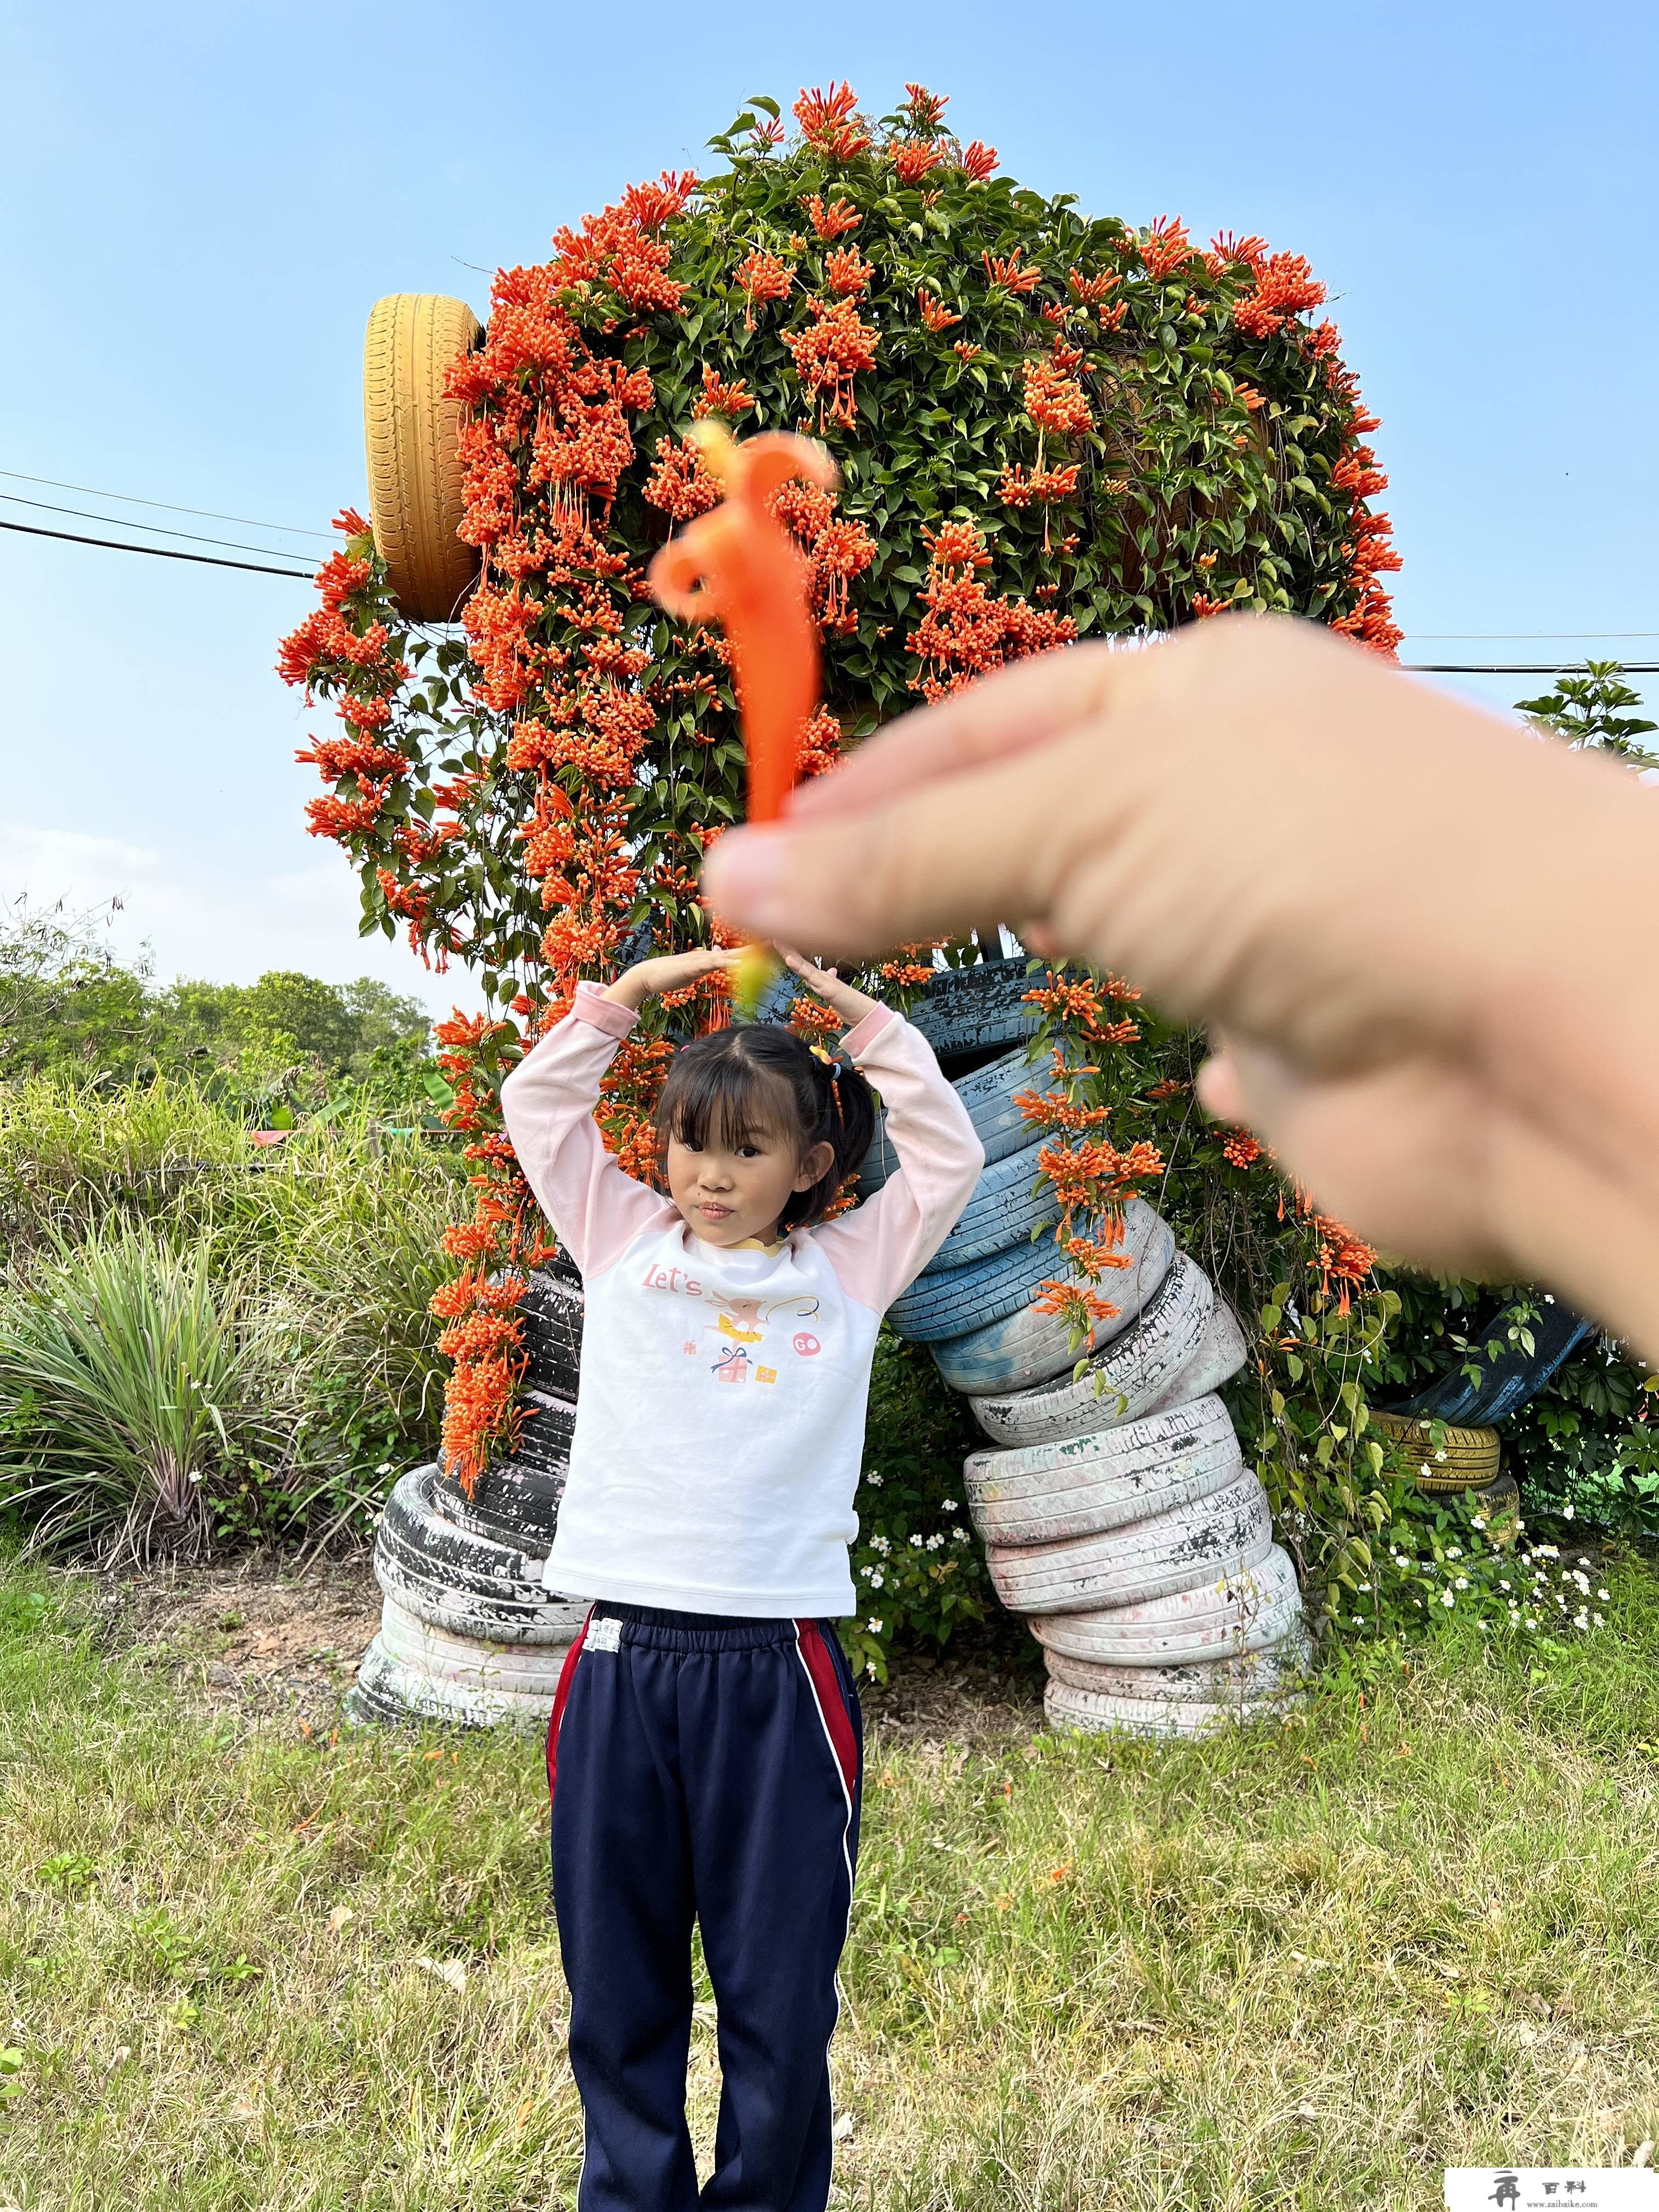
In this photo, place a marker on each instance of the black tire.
(457, 1578)
(552, 1309)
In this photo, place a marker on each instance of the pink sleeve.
(547, 1102)
(887, 1243)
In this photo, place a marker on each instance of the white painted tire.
(1217, 1358)
(1281, 1669)
(1085, 1712)
(1223, 1616)
(1043, 1493)
(387, 1690)
(1128, 1378)
(1185, 1548)
(1025, 1346)
(522, 1670)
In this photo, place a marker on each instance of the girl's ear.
(815, 1165)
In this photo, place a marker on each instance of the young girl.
(705, 1744)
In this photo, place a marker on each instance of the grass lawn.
(248, 1967)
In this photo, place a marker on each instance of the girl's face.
(736, 1184)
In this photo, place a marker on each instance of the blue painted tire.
(1508, 1380)
(989, 1094)
(1004, 1210)
(1021, 1347)
(976, 1009)
(964, 1300)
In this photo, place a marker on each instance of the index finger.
(1002, 713)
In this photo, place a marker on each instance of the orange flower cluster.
(847, 274)
(1344, 1259)
(1054, 400)
(837, 548)
(719, 397)
(967, 630)
(619, 251)
(933, 316)
(680, 484)
(1004, 270)
(829, 121)
(760, 275)
(914, 158)
(1285, 287)
(828, 354)
(1165, 250)
(1241, 1150)
(832, 222)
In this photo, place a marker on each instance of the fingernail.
(744, 875)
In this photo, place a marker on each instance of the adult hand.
(1425, 936)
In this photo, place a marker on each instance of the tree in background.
(1591, 711)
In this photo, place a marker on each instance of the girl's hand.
(650, 979)
(826, 984)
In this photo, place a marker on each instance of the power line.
(1526, 636)
(160, 552)
(152, 529)
(202, 513)
(1518, 667)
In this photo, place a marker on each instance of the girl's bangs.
(739, 1102)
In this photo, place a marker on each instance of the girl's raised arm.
(883, 1247)
(548, 1102)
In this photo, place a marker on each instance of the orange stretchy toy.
(738, 564)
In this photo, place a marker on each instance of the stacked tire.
(1115, 1505)
(469, 1636)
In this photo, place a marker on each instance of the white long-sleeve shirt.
(720, 1418)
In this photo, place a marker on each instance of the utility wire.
(202, 513)
(304, 575)
(1525, 636)
(160, 552)
(151, 529)
(1518, 667)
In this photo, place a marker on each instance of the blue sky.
(204, 202)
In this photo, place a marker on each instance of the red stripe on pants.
(832, 1702)
(561, 1697)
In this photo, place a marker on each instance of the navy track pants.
(707, 1768)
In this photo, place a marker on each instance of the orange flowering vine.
(528, 791)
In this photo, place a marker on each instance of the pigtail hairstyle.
(743, 1082)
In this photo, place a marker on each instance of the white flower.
(1599, 1621)
(1448, 1597)
(935, 1541)
(1452, 1552)
(877, 1577)
(949, 1506)
(1462, 1582)
(866, 1572)
(874, 1626)
(873, 1479)
(1603, 1595)
(1566, 1512)
(880, 1544)
(1502, 1584)
(917, 1540)
(960, 1533)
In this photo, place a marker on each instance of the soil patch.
(252, 1638)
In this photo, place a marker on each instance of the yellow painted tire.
(1467, 1460)
(411, 432)
(1499, 1503)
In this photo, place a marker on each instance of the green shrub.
(917, 1569)
(132, 1385)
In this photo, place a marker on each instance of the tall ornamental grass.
(252, 1321)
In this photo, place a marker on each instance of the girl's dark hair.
(765, 1081)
